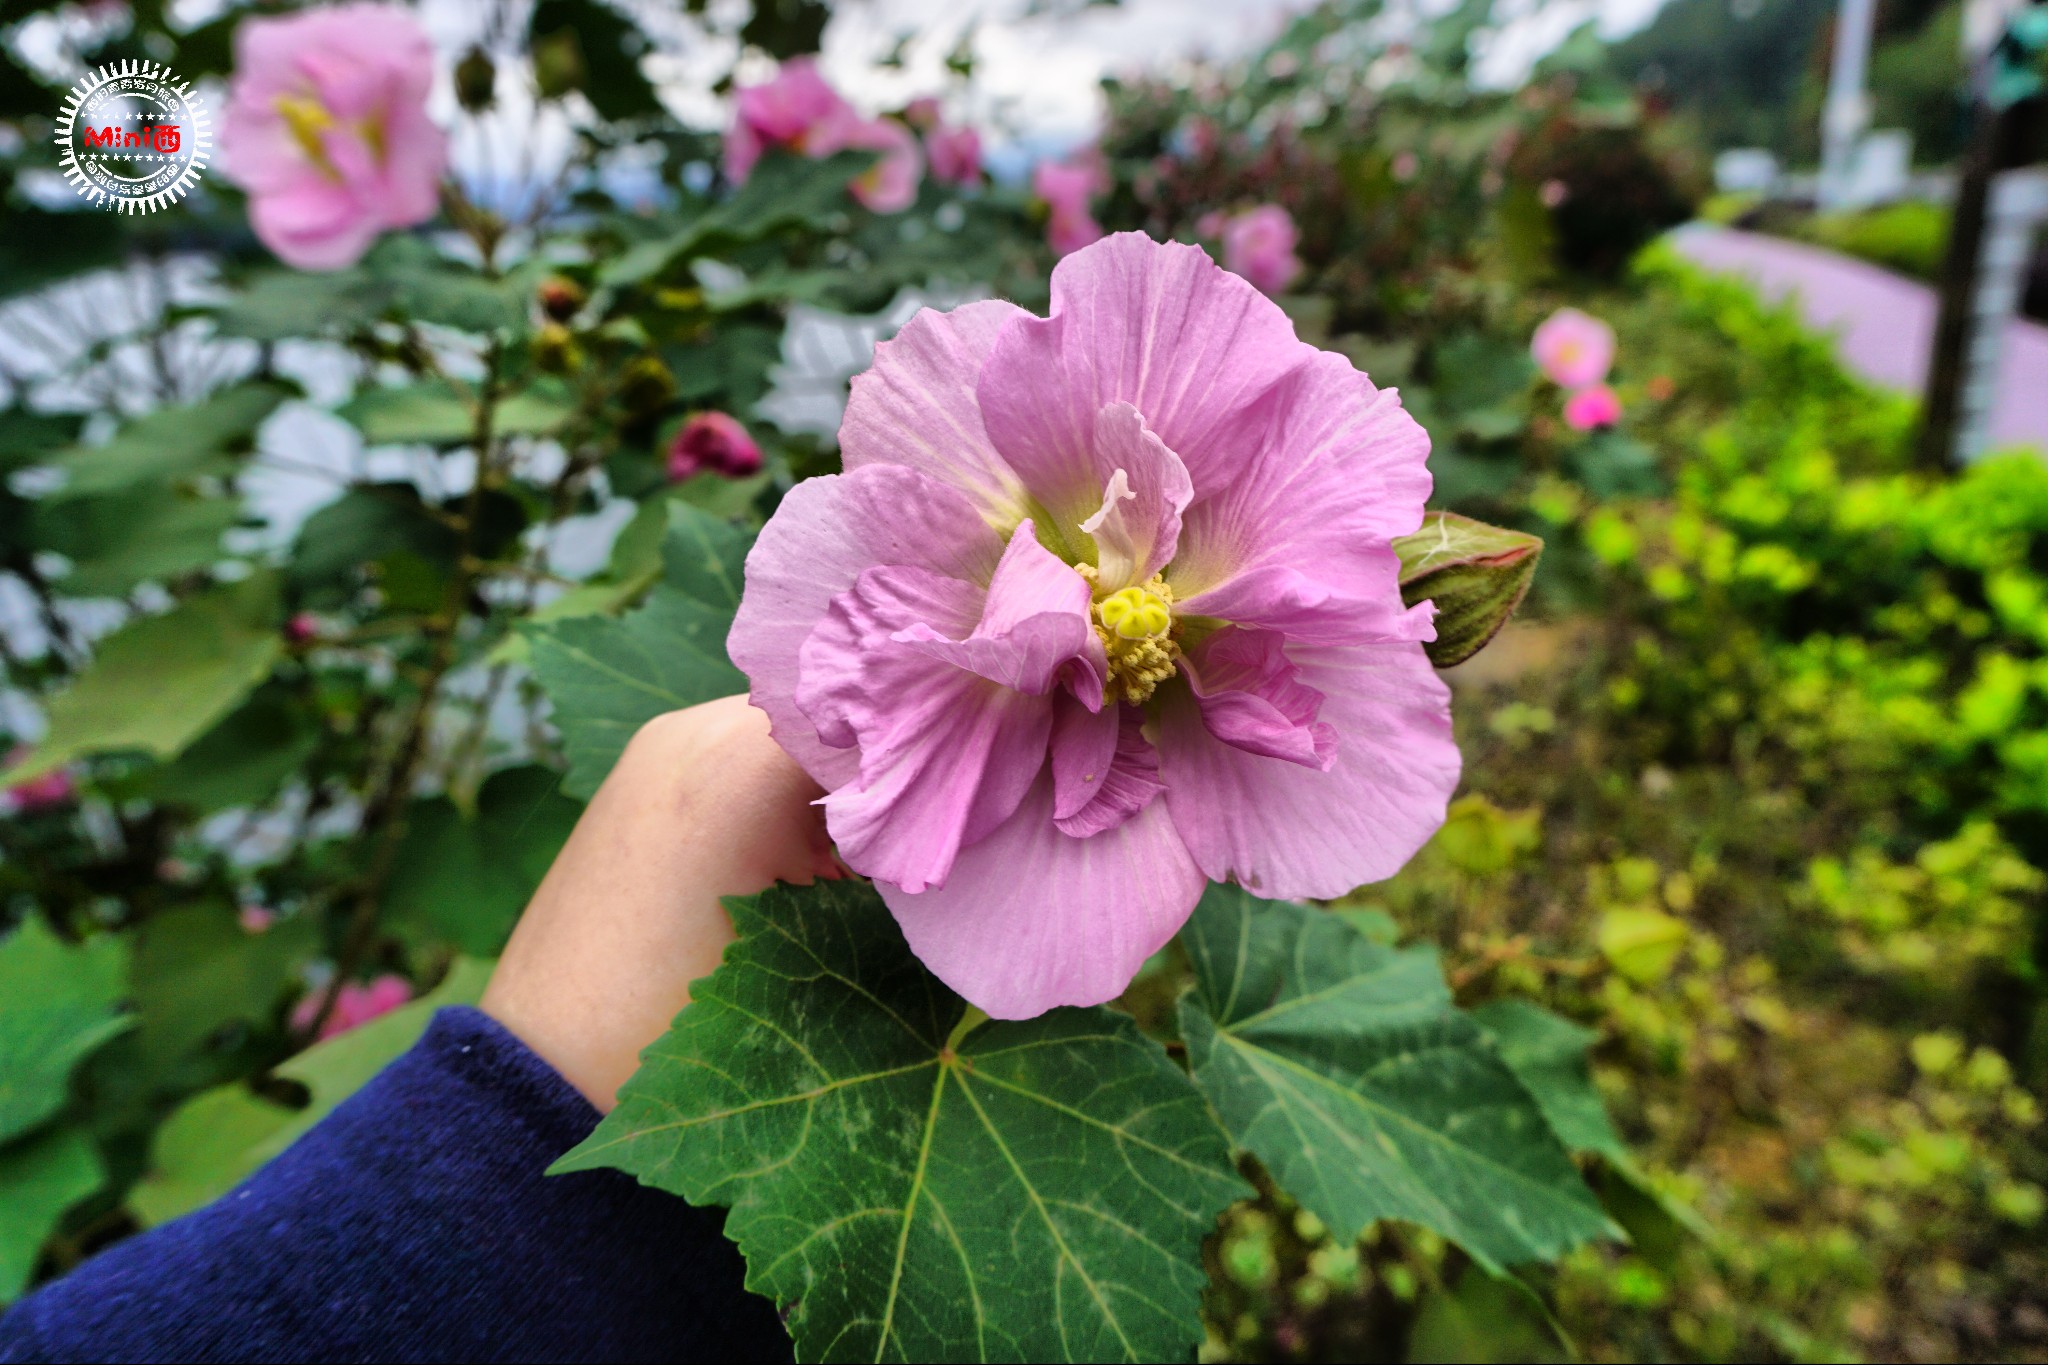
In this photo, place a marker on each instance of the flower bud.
(476, 81)
(558, 64)
(560, 298)
(712, 442)
(1475, 574)
(555, 350)
(646, 386)
(303, 628)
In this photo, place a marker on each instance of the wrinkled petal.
(1103, 770)
(944, 752)
(1253, 699)
(1355, 599)
(1288, 831)
(1158, 326)
(1330, 469)
(1033, 627)
(1033, 918)
(1137, 525)
(825, 534)
(916, 407)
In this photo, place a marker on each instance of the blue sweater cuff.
(415, 1222)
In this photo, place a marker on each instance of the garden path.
(1883, 322)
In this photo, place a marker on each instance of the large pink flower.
(1103, 606)
(327, 130)
(1574, 350)
(1259, 245)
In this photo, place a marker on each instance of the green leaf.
(40, 1178)
(1476, 574)
(1548, 1055)
(434, 412)
(220, 1136)
(27, 438)
(463, 877)
(1485, 1318)
(1641, 944)
(784, 190)
(57, 1004)
(609, 677)
(278, 305)
(120, 540)
(244, 759)
(172, 443)
(159, 683)
(1341, 1064)
(908, 1186)
(197, 971)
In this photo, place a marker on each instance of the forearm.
(416, 1223)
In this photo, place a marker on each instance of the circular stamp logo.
(133, 137)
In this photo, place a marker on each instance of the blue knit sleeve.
(414, 1223)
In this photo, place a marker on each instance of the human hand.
(702, 804)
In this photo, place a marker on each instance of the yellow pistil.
(307, 119)
(1136, 627)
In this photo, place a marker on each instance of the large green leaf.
(783, 191)
(433, 412)
(220, 1136)
(197, 970)
(1341, 1064)
(908, 1186)
(40, 1177)
(462, 877)
(173, 443)
(1549, 1055)
(57, 1003)
(159, 683)
(244, 759)
(120, 540)
(608, 677)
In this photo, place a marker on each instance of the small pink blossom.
(955, 155)
(1259, 245)
(922, 113)
(302, 628)
(1066, 189)
(256, 919)
(1103, 607)
(1592, 408)
(890, 185)
(356, 1004)
(327, 129)
(1404, 167)
(797, 110)
(45, 792)
(1573, 349)
(712, 442)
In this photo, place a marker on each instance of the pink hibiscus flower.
(890, 185)
(1573, 349)
(1103, 607)
(356, 1005)
(713, 441)
(327, 130)
(797, 110)
(1259, 245)
(1590, 409)
(955, 155)
(1066, 189)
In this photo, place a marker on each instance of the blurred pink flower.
(50, 790)
(302, 628)
(1404, 166)
(890, 185)
(1259, 245)
(922, 113)
(1573, 349)
(796, 110)
(327, 129)
(357, 1004)
(257, 919)
(955, 155)
(713, 442)
(1592, 408)
(1066, 188)
(1036, 752)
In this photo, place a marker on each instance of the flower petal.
(916, 407)
(1289, 831)
(943, 751)
(1253, 699)
(1103, 769)
(1034, 625)
(1157, 325)
(1353, 599)
(1033, 918)
(1145, 489)
(825, 534)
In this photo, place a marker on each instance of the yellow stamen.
(1136, 627)
(307, 119)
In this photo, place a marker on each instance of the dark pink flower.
(356, 1004)
(797, 110)
(955, 155)
(302, 628)
(44, 792)
(712, 442)
(1259, 245)
(327, 130)
(1104, 606)
(1592, 408)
